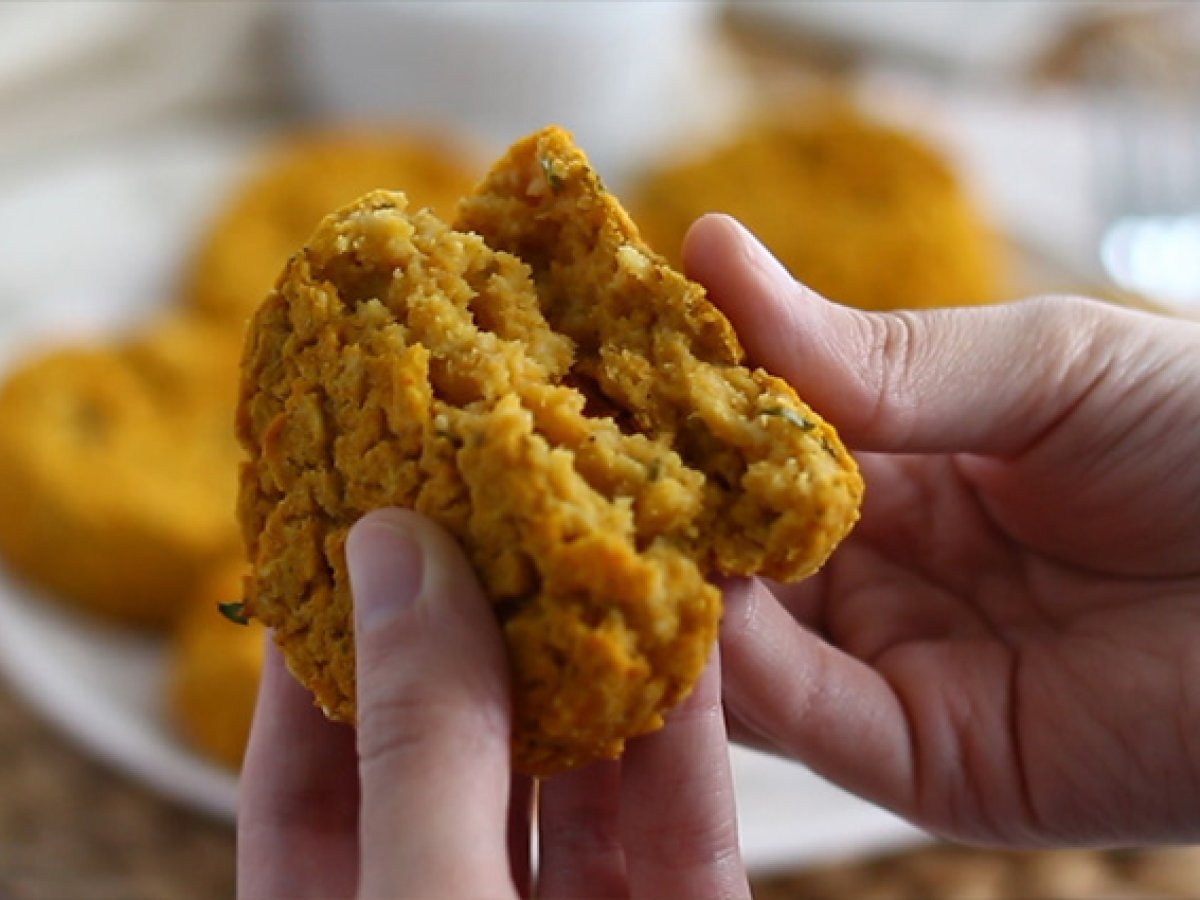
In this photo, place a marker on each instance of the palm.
(1039, 684)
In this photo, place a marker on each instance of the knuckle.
(689, 843)
(585, 835)
(399, 725)
(892, 364)
(806, 705)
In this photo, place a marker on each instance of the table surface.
(71, 829)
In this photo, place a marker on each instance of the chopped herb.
(556, 180)
(654, 470)
(791, 415)
(235, 612)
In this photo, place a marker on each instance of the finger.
(298, 806)
(433, 715)
(803, 599)
(812, 702)
(804, 603)
(983, 380)
(578, 822)
(678, 820)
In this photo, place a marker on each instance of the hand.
(1007, 648)
(426, 805)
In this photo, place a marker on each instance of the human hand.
(426, 804)
(1005, 649)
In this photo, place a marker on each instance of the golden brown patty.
(215, 666)
(118, 469)
(572, 410)
(860, 212)
(297, 181)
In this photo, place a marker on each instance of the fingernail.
(386, 569)
(756, 252)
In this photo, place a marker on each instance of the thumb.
(986, 380)
(433, 714)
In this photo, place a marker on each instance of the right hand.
(1005, 650)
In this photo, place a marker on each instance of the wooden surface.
(71, 829)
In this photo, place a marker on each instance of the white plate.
(123, 218)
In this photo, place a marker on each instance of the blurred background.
(160, 160)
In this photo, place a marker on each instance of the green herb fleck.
(654, 470)
(235, 612)
(556, 180)
(791, 415)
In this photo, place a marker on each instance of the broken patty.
(574, 412)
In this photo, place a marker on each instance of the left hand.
(425, 803)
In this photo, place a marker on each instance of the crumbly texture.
(861, 212)
(297, 181)
(572, 410)
(119, 471)
(214, 669)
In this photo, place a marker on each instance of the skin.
(425, 804)
(1003, 651)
